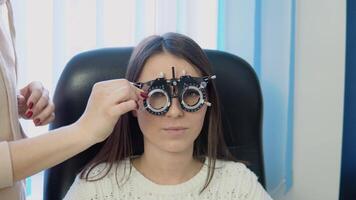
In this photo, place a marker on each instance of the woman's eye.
(192, 94)
(160, 95)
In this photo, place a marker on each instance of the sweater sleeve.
(6, 174)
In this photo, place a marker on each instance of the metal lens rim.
(201, 98)
(167, 100)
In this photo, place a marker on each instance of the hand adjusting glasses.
(190, 91)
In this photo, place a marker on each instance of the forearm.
(33, 155)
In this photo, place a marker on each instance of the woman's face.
(177, 130)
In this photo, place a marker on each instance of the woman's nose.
(175, 109)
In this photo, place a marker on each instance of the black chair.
(238, 88)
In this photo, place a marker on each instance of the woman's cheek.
(146, 122)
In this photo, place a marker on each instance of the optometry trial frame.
(190, 91)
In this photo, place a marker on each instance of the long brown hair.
(127, 139)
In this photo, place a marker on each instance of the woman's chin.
(176, 147)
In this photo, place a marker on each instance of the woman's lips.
(175, 130)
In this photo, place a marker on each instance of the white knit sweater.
(231, 180)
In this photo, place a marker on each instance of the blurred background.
(298, 48)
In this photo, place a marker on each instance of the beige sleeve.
(6, 175)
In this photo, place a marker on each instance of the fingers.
(124, 93)
(37, 105)
(124, 107)
(118, 90)
(131, 92)
(25, 91)
(41, 103)
(45, 116)
(140, 92)
(107, 102)
(35, 93)
(48, 120)
(21, 99)
(136, 87)
(21, 104)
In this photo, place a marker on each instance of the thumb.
(25, 92)
(21, 99)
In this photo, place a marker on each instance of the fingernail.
(144, 95)
(29, 114)
(37, 122)
(30, 105)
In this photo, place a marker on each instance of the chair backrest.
(238, 88)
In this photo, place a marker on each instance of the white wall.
(319, 97)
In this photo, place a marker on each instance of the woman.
(21, 157)
(184, 155)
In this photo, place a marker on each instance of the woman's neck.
(167, 168)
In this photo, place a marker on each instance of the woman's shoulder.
(106, 170)
(233, 171)
(89, 184)
(237, 178)
(229, 166)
